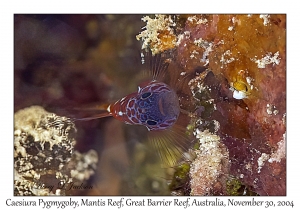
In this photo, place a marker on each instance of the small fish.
(156, 106)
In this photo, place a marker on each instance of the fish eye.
(146, 95)
(151, 122)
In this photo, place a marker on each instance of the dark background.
(62, 62)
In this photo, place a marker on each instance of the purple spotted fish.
(156, 106)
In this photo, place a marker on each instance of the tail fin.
(97, 107)
(97, 116)
(103, 108)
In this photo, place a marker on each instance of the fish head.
(157, 106)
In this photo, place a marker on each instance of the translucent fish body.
(155, 106)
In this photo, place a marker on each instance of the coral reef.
(240, 94)
(235, 188)
(210, 167)
(45, 162)
(230, 71)
(180, 184)
(158, 34)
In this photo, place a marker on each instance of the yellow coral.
(158, 34)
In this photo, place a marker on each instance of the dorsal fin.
(155, 66)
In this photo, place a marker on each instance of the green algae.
(180, 178)
(235, 187)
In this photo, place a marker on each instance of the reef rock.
(45, 162)
(239, 90)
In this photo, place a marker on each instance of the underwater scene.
(121, 104)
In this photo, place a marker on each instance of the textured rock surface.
(243, 95)
(45, 162)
